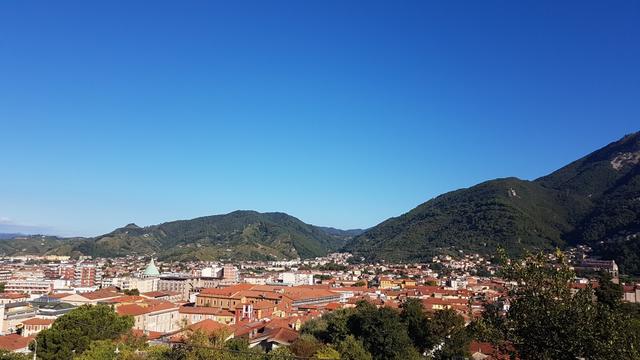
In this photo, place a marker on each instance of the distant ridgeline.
(240, 235)
(594, 201)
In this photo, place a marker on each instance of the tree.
(608, 292)
(546, 320)
(447, 329)
(281, 353)
(7, 355)
(327, 352)
(381, 332)
(77, 329)
(99, 350)
(305, 346)
(415, 320)
(352, 349)
(134, 292)
(337, 325)
(237, 344)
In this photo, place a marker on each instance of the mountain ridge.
(584, 202)
(241, 234)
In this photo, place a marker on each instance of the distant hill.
(5, 236)
(238, 235)
(594, 200)
(38, 245)
(342, 237)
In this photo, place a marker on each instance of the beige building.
(35, 325)
(8, 298)
(142, 284)
(152, 315)
(29, 286)
(190, 314)
(91, 298)
(12, 315)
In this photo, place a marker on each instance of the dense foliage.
(367, 332)
(73, 333)
(547, 320)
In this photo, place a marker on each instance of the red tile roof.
(38, 321)
(10, 295)
(156, 294)
(227, 291)
(282, 335)
(151, 335)
(144, 308)
(14, 342)
(126, 299)
(208, 326)
(300, 293)
(58, 295)
(100, 294)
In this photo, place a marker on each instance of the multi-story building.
(152, 315)
(87, 275)
(230, 274)
(609, 266)
(295, 278)
(129, 283)
(302, 297)
(182, 283)
(29, 286)
(190, 314)
(5, 274)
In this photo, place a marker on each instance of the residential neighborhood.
(266, 303)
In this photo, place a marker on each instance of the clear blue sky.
(342, 113)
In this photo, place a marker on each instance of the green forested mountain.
(38, 244)
(237, 235)
(594, 200)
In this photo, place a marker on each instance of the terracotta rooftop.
(226, 291)
(144, 308)
(156, 294)
(9, 295)
(151, 335)
(14, 342)
(58, 295)
(100, 294)
(38, 321)
(126, 299)
(208, 326)
(300, 293)
(282, 335)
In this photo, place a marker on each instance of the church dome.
(151, 270)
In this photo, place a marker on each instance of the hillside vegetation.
(594, 200)
(247, 235)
